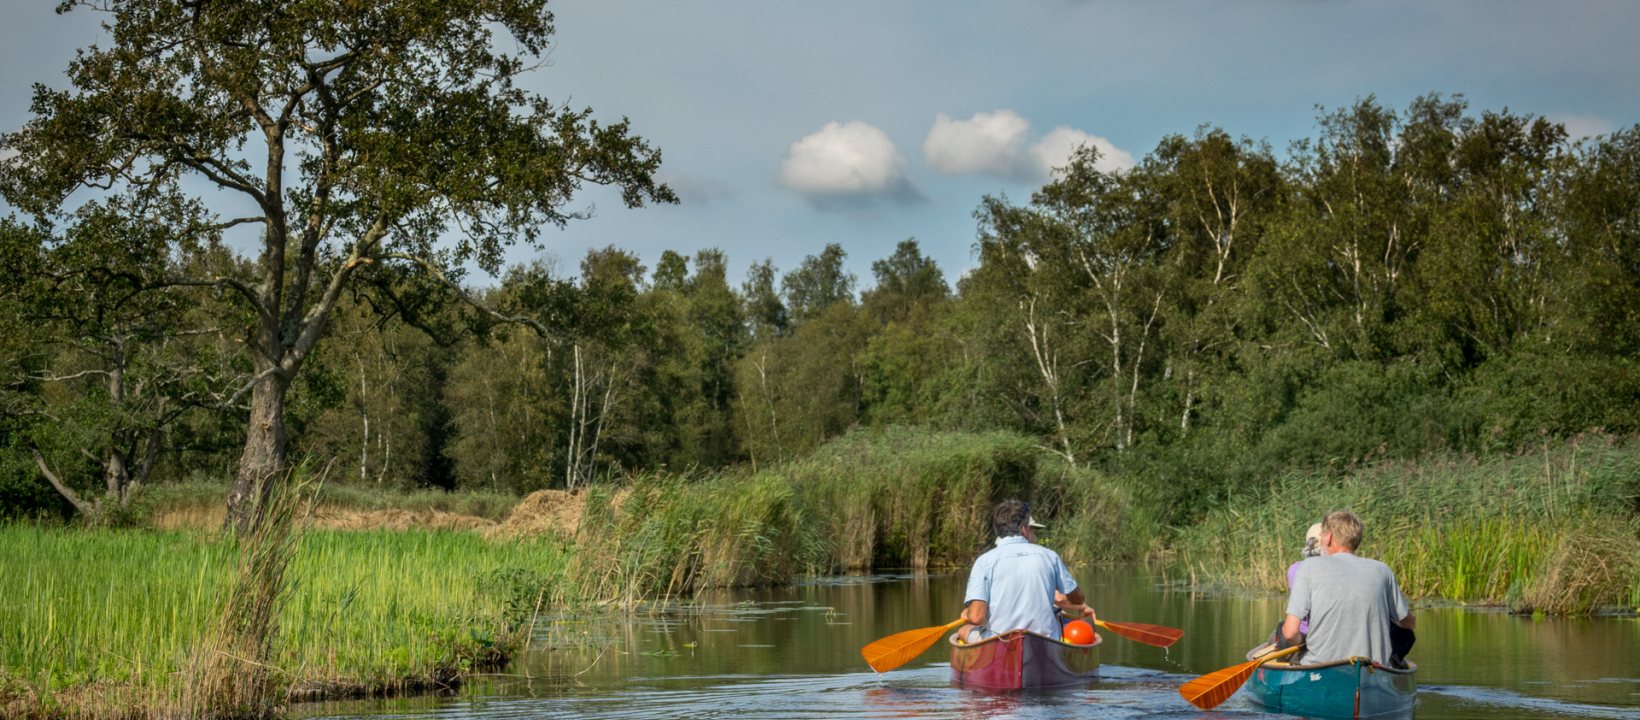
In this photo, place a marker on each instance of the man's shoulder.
(1016, 549)
(1354, 564)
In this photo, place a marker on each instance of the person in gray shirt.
(1351, 601)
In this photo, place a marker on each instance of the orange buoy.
(1079, 632)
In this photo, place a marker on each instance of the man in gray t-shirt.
(1350, 601)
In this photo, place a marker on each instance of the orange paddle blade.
(898, 649)
(1207, 691)
(1157, 635)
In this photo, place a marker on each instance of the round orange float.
(1079, 632)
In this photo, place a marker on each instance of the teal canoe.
(1354, 688)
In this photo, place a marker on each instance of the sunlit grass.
(123, 608)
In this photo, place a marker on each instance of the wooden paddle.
(1207, 691)
(890, 652)
(1156, 635)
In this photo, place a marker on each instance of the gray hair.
(1312, 548)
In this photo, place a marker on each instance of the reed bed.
(884, 498)
(1095, 517)
(899, 497)
(99, 622)
(1556, 530)
(671, 536)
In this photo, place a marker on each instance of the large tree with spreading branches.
(354, 137)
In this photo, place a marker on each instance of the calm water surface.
(794, 653)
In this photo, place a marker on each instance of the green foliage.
(1405, 284)
(378, 132)
(1551, 529)
(765, 312)
(798, 391)
(23, 495)
(817, 284)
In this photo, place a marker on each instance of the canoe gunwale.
(1011, 634)
(1254, 654)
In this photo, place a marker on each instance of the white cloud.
(845, 159)
(1054, 151)
(992, 143)
(1579, 127)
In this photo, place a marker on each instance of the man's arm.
(1407, 622)
(1289, 630)
(977, 612)
(1074, 604)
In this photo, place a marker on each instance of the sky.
(785, 126)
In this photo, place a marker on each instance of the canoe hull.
(1354, 688)
(1022, 661)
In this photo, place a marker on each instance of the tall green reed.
(1549, 530)
(879, 498)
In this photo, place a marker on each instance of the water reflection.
(794, 653)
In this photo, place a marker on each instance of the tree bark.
(85, 508)
(263, 460)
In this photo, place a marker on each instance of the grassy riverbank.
(107, 623)
(99, 623)
(1554, 531)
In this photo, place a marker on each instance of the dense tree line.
(1403, 282)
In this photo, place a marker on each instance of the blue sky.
(786, 126)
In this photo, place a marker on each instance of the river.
(794, 653)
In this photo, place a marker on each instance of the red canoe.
(1022, 660)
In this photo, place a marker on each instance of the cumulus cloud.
(991, 143)
(845, 161)
(1054, 151)
(994, 143)
(1579, 127)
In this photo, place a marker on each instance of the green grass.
(382, 605)
(94, 609)
(1555, 530)
(85, 606)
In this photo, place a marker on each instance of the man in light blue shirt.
(1018, 584)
